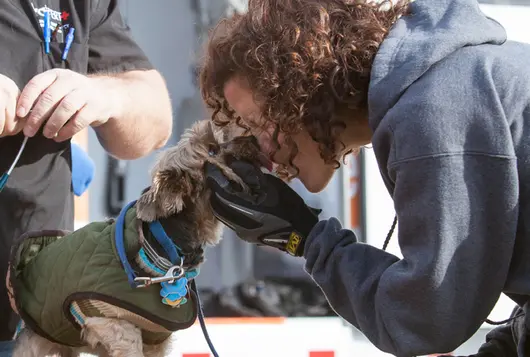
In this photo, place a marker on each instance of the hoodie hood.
(432, 31)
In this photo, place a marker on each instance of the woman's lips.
(266, 155)
(265, 161)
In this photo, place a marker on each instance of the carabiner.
(174, 273)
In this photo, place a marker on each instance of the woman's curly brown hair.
(304, 60)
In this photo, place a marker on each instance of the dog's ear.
(166, 195)
(204, 136)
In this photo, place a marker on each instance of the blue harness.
(174, 282)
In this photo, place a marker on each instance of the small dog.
(120, 288)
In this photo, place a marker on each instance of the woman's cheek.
(316, 177)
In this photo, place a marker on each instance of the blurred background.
(256, 295)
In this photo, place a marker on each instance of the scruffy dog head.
(178, 180)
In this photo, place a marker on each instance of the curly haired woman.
(444, 99)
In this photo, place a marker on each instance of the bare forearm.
(142, 119)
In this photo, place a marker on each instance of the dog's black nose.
(254, 140)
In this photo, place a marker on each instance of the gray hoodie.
(449, 106)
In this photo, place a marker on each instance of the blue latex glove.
(83, 169)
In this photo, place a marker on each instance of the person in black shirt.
(104, 81)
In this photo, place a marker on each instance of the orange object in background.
(354, 167)
(322, 354)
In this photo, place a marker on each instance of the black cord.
(390, 232)
(504, 321)
(200, 314)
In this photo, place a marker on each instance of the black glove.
(271, 214)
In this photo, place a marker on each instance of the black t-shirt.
(38, 194)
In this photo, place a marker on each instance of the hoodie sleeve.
(457, 217)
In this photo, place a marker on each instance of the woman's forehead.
(241, 99)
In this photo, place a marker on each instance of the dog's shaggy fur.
(178, 190)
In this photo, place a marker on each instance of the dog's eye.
(213, 150)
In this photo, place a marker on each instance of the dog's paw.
(238, 181)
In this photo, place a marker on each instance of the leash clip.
(174, 273)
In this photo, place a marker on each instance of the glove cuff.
(295, 244)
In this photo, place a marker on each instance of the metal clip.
(174, 273)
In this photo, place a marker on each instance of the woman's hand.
(270, 214)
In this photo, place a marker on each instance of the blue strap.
(167, 244)
(160, 235)
(148, 263)
(189, 274)
(118, 237)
